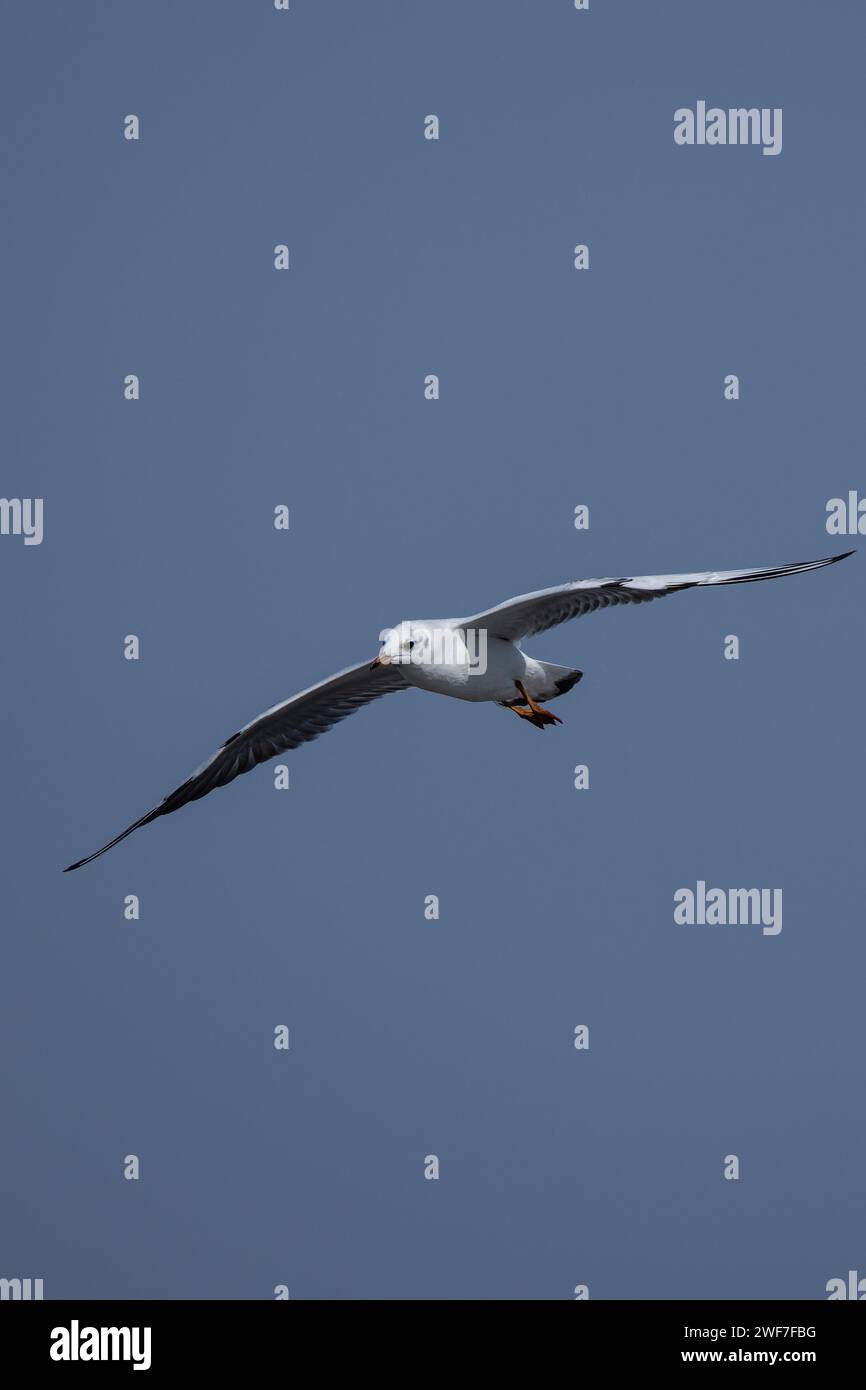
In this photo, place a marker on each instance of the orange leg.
(536, 714)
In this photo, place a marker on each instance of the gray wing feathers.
(285, 726)
(533, 613)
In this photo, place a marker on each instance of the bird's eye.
(410, 645)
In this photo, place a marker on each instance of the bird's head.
(400, 645)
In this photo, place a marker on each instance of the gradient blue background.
(306, 907)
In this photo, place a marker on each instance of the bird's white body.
(444, 657)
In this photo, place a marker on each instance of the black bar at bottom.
(222, 1338)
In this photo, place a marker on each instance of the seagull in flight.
(475, 658)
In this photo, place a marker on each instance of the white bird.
(473, 658)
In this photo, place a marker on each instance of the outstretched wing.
(532, 613)
(285, 726)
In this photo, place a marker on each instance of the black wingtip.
(145, 820)
(81, 862)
